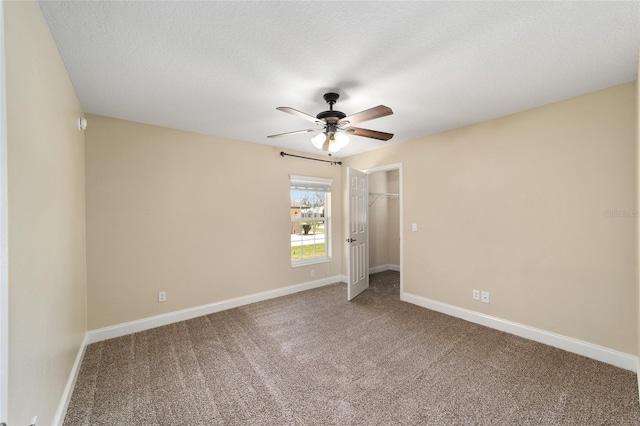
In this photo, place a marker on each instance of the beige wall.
(45, 152)
(516, 206)
(203, 218)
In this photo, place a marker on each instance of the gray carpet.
(314, 358)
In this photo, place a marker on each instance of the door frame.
(387, 168)
(4, 244)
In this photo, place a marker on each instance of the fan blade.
(301, 114)
(292, 133)
(368, 133)
(368, 114)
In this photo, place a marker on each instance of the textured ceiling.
(222, 68)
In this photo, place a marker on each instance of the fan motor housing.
(327, 115)
(331, 116)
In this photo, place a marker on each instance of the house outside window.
(310, 220)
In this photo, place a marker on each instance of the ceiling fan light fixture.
(332, 141)
(341, 140)
(333, 147)
(318, 140)
(337, 141)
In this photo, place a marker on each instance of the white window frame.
(311, 183)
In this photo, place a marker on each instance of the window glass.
(310, 204)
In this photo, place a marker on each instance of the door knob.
(351, 240)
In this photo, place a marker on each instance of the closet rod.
(385, 194)
(332, 163)
(381, 194)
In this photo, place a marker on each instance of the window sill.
(299, 263)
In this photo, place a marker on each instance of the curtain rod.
(333, 163)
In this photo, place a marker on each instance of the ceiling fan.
(333, 126)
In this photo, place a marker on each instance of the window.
(310, 215)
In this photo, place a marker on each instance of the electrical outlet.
(485, 297)
(313, 272)
(162, 296)
(476, 294)
(414, 227)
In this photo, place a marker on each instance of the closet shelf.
(377, 195)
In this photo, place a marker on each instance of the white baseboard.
(589, 350)
(118, 330)
(58, 418)
(638, 375)
(381, 268)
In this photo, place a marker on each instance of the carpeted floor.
(313, 358)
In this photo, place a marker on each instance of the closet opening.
(384, 231)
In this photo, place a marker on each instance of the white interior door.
(358, 241)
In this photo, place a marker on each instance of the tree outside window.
(309, 220)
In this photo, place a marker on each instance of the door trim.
(4, 244)
(387, 168)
